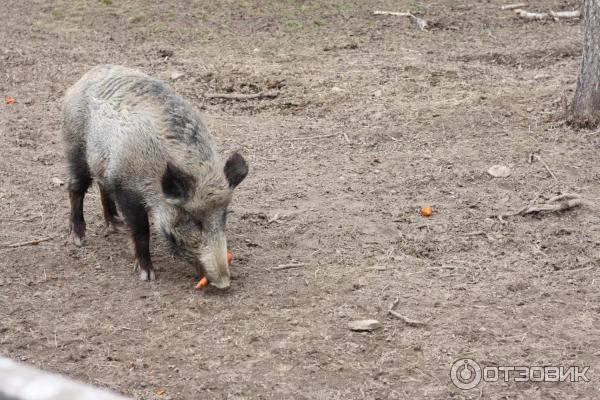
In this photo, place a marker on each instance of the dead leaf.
(160, 391)
(10, 100)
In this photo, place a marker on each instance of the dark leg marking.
(80, 180)
(111, 215)
(136, 216)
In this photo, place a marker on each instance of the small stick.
(287, 266)
(565, 205)
(531, 15)
(565, 14)
(407, 321)
(346, 137)
(126, 328)
(275, 218)
(421, 23)
(242, 96)
(512, 6)
(476, 233)
(29, 243)
(539, 158)
(566, 196)
(311, 137)
(376, 268)
(559, 203)
(396, 13)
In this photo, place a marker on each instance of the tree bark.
(585, 109)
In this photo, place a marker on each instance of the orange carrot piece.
(203, 282)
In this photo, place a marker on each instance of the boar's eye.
(198, 224)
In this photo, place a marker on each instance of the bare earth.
(394, 119)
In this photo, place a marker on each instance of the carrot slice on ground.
(229, 257)
(203, 282)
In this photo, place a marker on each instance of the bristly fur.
(135, 134)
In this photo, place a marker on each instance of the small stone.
(165, 53)
(176, 75)
(57, 182)
(377, 93)
(499, 171)
(336, 89)
(365, 325)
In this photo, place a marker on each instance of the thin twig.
(421, 23)
(126, 328)
(275, 218)
(311, 137)
(396, 13)
(287, 266)
(476, 233)
(512, 6)
(346, 137)
(406, 320)
(538, 157)
(243, 96)
(29, 243)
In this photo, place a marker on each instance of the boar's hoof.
(147, 275)
(77, 240)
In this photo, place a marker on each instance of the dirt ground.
(374, 120)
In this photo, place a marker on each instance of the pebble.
(176, 75)
(365, 325)
(499, 171)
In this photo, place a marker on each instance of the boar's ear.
(177, 185)
(236, 169)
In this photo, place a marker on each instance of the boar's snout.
(214, 261)
(223, 284)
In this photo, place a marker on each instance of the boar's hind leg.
(136, 216)
(80, 180)
(111, 215)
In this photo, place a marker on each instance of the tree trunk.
(586, 104)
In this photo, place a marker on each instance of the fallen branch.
(555, 15)
(533, 16)
(512, 6)
(287, 266)
(421, 23)
(29, 243)
(565, 14)
(557, 203)
(242, 96)
(406, 320)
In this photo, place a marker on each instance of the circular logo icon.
(465, 373)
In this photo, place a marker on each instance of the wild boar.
(151, 155)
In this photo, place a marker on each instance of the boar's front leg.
(136, 217)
